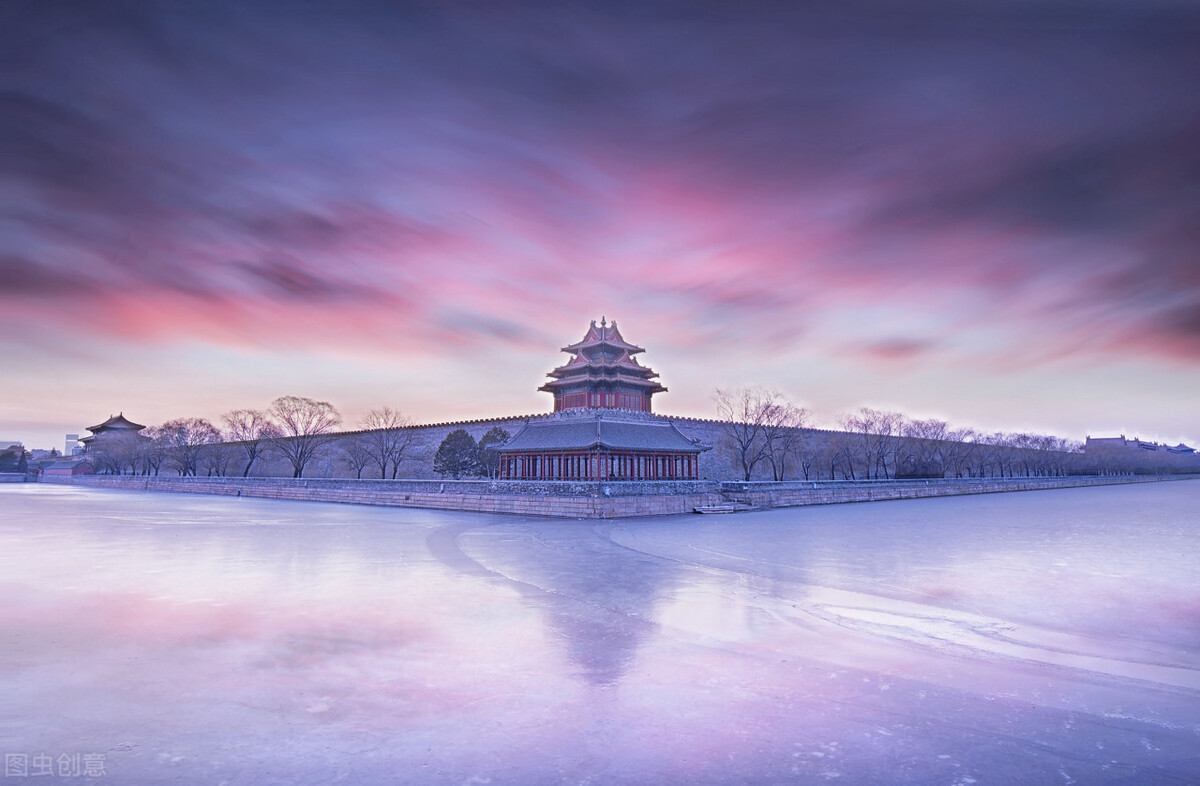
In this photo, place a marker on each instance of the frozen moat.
(1048, 637)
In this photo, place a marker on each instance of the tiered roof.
(603, 361)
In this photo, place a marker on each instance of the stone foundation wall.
(794, 493)
(577, 500)
(548, 498)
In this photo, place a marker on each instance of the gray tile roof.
(601, 431)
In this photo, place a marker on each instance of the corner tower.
(602, 374)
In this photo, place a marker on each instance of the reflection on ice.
(1040, 637)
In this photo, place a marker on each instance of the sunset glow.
(986, 213)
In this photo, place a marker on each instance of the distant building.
(602, 428)
(12, 456)
(117, 426)
(67, 468)
(1093, 443)
(72, 445)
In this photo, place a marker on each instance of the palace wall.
(580, 500)
(720, 463)
(716, 464)
(418, 463)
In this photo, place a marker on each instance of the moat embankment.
(588, 500)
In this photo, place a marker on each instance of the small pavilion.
(601, 428)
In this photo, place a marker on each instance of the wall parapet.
(584, 499)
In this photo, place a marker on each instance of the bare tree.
(183, 441)
(305, 428)
(387, 438)
(841, 453)
(114, 454)
(784, 436)
(956, 450)
(805, 453)
(216, 458)
(921, 448)
(150, 450)
(875, 446)
(253, 432)
(747, 415)
(356, 451)
(1000, 453)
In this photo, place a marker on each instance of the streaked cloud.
(1016, 178)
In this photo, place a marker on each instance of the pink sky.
(985, 216)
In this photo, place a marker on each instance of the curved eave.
(117, 422)
(581, 367)
(575, 349)
(644, 384)
(602, 372)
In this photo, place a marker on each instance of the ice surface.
(1038, 637)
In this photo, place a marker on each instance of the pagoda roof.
(600, 379)
(117, 422)
(600, 335)
(601, 431)
(581, 362)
